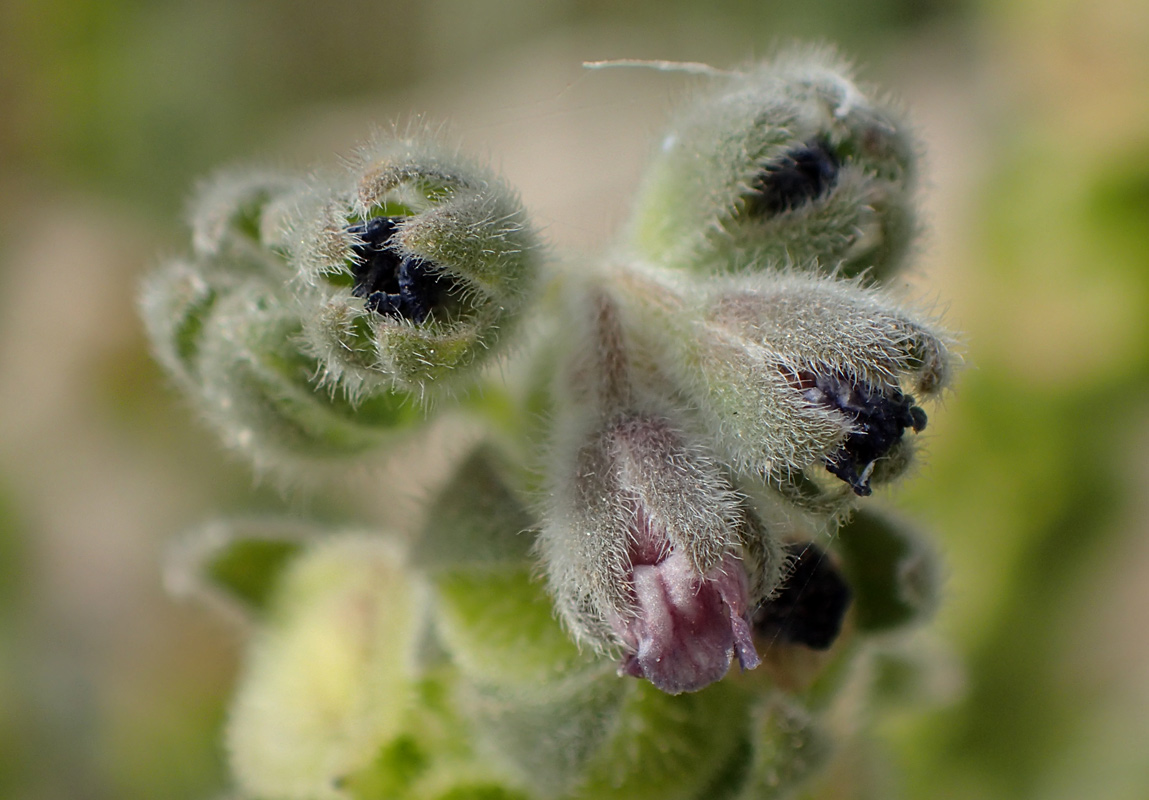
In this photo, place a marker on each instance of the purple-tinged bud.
(648, 553)
(688, 627)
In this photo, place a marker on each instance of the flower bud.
(318, 314)
(326, 683)
(643, 551)
(789, 372)
(788, 163)
(420, 263)
(233, 344)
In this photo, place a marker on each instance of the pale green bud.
(788, 163)
(175, 301)
(326, 681)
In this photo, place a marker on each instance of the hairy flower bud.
(790, 162)
(317, 315)
(792, 371)
(643, 552)
(325, 682)
(420, 263)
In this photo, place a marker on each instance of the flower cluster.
(320, 315)
(719, 393)
(733, 347)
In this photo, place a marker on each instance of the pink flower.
(650, 552)
(686, 627)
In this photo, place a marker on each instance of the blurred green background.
(1036, 483)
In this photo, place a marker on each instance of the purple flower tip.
(688, 627)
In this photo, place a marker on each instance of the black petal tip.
(796, 177)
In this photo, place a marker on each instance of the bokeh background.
(1036, 117)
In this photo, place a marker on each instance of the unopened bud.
(421, 262)
(789, 163)
(643, 551)
(791, 372)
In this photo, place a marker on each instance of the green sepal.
(434, 755)
(399, 764)
(236, 565)
(789, 748)
(891, 570)
(475, 519)
(238, 211)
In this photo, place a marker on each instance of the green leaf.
(236, 564)
(499, 628)
(891, 570)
